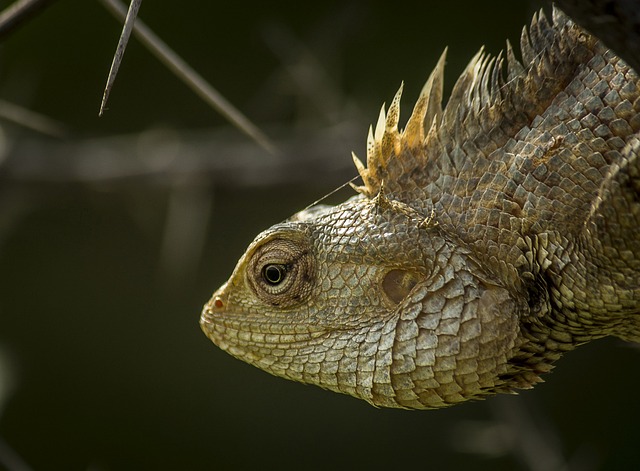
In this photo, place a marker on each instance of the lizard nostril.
(217, 303)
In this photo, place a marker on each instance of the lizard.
(488, 237)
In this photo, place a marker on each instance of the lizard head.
(383, 298)
(368, 299)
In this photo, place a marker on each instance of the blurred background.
(114, 232)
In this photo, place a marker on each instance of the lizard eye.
(274, 274)
(280, 272)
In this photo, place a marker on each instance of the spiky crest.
(481, 99)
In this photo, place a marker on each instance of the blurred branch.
(525, 433)
(161, 155)
(535, 442)
(306, 71)
(19, 12)
(122, 45)
(191, 78)
(32, 120)
(185, 231)
(10, 460)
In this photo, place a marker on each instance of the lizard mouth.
(211, 313)
(218, 323)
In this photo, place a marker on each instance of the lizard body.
(488, 238)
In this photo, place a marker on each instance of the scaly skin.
(488, 238)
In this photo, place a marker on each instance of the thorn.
(119, 54)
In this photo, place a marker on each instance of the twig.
(32, 120)
(191, 78)
(535, 446)
(19, 12)
(306, 71)
(122, 45)
(162, 155)
(10, 460)
(185, 229)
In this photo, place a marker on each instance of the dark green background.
(107, 366)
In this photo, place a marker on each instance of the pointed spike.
(485, 91)
(413, 134)
(478, 73)
(389, 143)
(359, 165)
(481, 97)
(496, 79)
(558, 17)
(363, 190)
(471, 70)
(433, 131)
(543, 22)
(434, 99)
(460, 93)
(393, 115)
(371, 146)
(380, 125)
(367, 188)
(514, 67)
(540, 31)
(380, 199)
(474, 98)
(428, 106)
(525, 45)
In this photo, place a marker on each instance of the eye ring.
(281, 271)
(274, 273)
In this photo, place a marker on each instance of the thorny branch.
(191, 78)
(122, 45)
